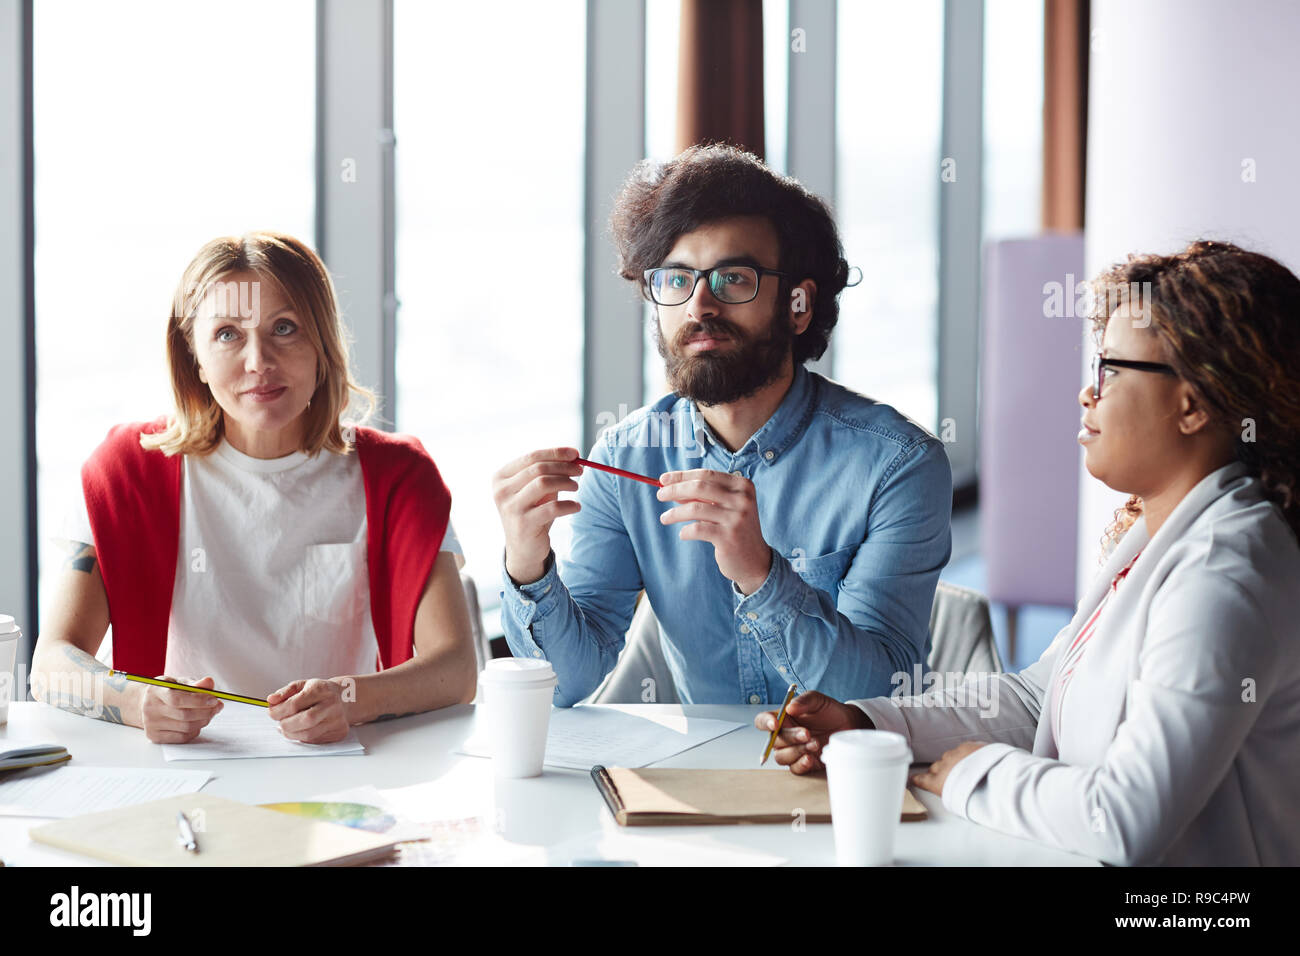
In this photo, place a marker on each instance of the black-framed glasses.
(1099, 366)
(734, 285)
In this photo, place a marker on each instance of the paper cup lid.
(867, 747)
(517, 670)
(7, 625)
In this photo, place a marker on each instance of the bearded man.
(800, 528)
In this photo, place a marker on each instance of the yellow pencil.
(789, 696)
(174, 685)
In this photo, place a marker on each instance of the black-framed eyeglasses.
(1099, 366)
(734, 285)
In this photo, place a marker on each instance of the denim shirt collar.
(778, 433)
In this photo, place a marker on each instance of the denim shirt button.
(537, 653)
(754, 699)
(736, 474)
(744, 629)
(781, 669)
(769, 455)
(752, 616)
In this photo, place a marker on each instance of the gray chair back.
(961, 633)
(482, 648)
(641, 675)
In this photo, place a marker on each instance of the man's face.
(716, 352)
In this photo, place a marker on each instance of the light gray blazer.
(1180, 729)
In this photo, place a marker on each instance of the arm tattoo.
(87, 708)
(81, 690)
(91, 663)
(81, 557)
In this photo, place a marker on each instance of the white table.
(541, 812)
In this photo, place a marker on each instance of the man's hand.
(310, 711)
(809, 721)
(934, 778)
(171, 716)
(723, 510)
(526, 493)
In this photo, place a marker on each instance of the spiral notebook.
(673, 796)
(228, 834)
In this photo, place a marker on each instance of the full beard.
(722, 376)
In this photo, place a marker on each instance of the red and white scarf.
(1074, 652)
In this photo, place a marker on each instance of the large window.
(1013, 118)
(489, 115)
(663, 31)
(888, 170)
(158, 126)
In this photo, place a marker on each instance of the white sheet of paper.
(617, 735)
(71, 791)
(242, 730)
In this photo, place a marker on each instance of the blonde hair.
(198, 424)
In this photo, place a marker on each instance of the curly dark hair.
(662, 201)
(1229, 323)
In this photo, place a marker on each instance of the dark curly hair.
(1229, 323)
(662, 201)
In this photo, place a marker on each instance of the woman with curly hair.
(1162, 724)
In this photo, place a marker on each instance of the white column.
(615, 142)
(17, 329)
(960, 232)
(810, 113)
(1193, 132)
(354, 181)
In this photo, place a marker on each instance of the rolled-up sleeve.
(876, 624)
(577, 614)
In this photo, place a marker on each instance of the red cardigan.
(133, 498)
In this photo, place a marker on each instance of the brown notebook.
(228, 834)
(678, 797)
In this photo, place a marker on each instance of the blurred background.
(454, 164)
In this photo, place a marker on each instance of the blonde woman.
(1162, 724)
(255, 540)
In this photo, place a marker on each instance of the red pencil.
(619, 471)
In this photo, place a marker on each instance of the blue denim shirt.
(853, 498)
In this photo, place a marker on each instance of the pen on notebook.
(186, 836)
(175, 685)
(619, 471)
(789, 696)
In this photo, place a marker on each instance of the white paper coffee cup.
(516, 706)
(866, 772)
(10, 635)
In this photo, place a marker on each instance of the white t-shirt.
(271, 577)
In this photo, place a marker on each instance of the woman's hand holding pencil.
(171, 716)
(311, 711)
(810, 719)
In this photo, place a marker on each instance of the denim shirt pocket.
(825, 571)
